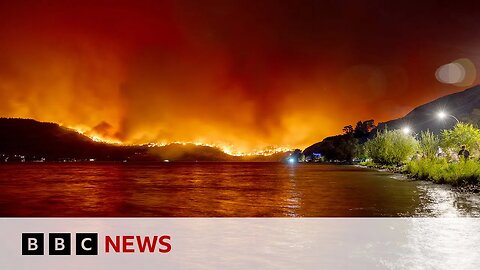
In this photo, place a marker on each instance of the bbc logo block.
(32, 244)
(87, 243)
(59, 244)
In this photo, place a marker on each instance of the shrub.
(429, 144)
(391, 147)
(368, 163)
(461, 134)
(440, 171)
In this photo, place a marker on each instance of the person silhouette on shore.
(464, 153)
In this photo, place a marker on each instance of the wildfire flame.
(227, 149)
(95, 137)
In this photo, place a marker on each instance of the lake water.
(221, 190)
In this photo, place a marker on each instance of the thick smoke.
(228, 73)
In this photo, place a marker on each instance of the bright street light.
(406, 130)
(443, 115)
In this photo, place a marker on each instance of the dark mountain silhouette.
(37, 140)
(189, 152)
(339, 147)
(30, 140)
(464, 105)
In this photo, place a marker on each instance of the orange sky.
(249, 75)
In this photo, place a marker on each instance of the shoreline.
(468, 188)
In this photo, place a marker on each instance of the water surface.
(221, 190)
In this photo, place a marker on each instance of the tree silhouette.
(362, 129)
(348, 129)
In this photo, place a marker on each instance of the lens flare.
(460, 72)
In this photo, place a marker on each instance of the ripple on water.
(222, 190)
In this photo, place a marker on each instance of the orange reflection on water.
(218, 190)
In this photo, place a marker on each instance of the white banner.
(239, 243)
